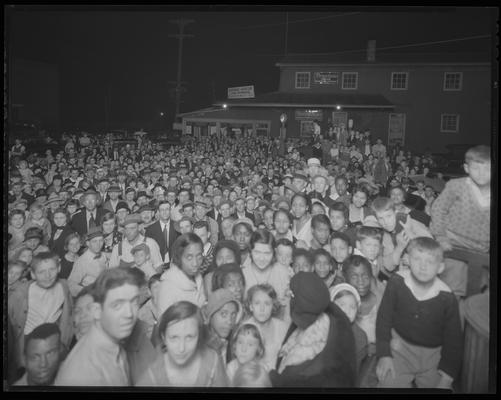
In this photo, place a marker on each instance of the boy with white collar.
(418, 329)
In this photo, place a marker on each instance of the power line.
(389, 47)
(295, 22)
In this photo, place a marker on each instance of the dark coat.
(57, 246)
(154, 231)
(79, 220)
(334, 366)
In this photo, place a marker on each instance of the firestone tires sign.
(241, 92)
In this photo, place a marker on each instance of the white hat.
(313, 161)
(344, 286)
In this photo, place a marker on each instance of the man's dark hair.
(42, 332)
(113, 278)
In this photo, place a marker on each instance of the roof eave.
(308, 105)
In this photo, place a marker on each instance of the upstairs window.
(399, 80)
(453, 81)
(302, 80)
(350, 80)
(449, 123)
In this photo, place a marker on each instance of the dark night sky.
(130, 51)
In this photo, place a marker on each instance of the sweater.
(428, 323)
(458, 214)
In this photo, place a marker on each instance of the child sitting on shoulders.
(418, 328)
(263, 306)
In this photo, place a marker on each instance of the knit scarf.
(304, 345)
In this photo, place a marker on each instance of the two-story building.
(420, 100)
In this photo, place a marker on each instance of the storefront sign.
(309, 114)
(326, 78)
(241, 92)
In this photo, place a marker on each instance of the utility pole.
(181, 23)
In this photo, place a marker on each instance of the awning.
(312, 100)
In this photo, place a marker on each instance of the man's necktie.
(92, 222)
(166, 234)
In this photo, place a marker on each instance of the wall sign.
(326, 78)
(309, 114)
(241, 92)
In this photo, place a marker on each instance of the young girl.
(282, 222)
(347, 299)
(263, 306)
(323, 266)
(37, 219)
(72, 245)
(230, 276)
(246, 345)
(251, 374)
(283, 253)
(225, 252)
(242, 232)
(358, 209)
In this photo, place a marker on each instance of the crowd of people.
(242, 262)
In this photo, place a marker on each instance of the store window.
(302, 80)
(262, 129)
(449, 123)
(350, 80)
(399, 80)
(453, 81)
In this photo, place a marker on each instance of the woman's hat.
(122, 205)
(115, 188)
(217, 299)
(334, 290)
(33, 233)
(310, 298)
(132, 219)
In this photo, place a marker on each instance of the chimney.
(371, 51)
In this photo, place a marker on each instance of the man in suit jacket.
(156, 230)
(241, 212)
(89, 216)
(113, 193)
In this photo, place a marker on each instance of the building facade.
(420, 101)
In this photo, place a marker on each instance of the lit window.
(302, 80)
(453, 80)
(350, 80)
(399, 80)
(449, 123)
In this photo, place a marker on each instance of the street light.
(161, 114)
(283, 120)
(225, 106)
(338, 107)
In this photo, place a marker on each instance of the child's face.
(224, 256)
(341, 187)
(359, 199)
(45, 274)
(369, 247)
(301, 263)
(224, 319)
(479, 172)
(15, 273)
(321, 233)
(387, 219)
(298, 207)
(32, 243)
(340, 250)
(317, 208)
(284, 255)
(17, 221)
(337, 220)
(282, 223)
(360, 279)
(95, 244)
(246, 347)
(428, 192)
(74, 245)
(348, 304)
(242, 236)
(60, 219)
(424, 266)
(268, 219)
(234, 283)
(202, 234)
(261, 306)
(140, 257)
(322, 266)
